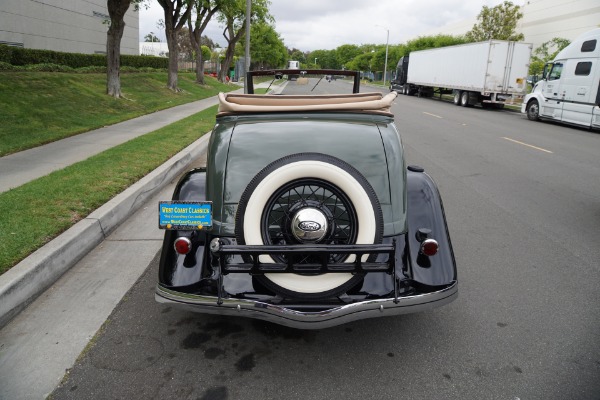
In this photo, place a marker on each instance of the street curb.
(23, 283)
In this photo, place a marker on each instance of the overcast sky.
(326, 24)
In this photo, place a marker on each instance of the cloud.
(326, 24)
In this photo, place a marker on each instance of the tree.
(176, 15)
(499, 22)
(362, 62)
(432, 42)
(326, 59)
(203, 11)
(206, 41)
(266, 47)
(116, 11)
(184, 45)
(297, 55)
(233, 15)
(346, 53)
(151, 38)
(545, 53)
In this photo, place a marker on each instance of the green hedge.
(19, 56)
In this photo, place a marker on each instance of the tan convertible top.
(359, 102)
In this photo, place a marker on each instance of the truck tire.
(456, 100)
(533, 110)
(320, 184)
(464, 99)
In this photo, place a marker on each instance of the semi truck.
(569, 91)
(487, 73)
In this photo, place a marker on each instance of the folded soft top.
(359, 102)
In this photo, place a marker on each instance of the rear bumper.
(308, 320)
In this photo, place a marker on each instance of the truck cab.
(399, 84)
(569, 91)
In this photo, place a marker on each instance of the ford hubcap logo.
(309, 226)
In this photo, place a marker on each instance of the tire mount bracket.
(224, 252)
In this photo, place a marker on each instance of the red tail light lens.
(429, 247)
(183, 245)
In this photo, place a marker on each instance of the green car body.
(316, 218)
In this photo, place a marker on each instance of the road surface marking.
(528, 145)
(433, 115)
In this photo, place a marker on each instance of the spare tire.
(309, 198)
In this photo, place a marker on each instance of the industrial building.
(543, 20)
(75, 26)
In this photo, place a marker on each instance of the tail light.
(183, 245)
(429, 247)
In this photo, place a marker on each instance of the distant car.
(306, 215)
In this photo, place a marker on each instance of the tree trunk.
(195, 41)
(117, 10)
(226, 64)
(174, 21)
(232, 38)
(173, 59)
(199, 68)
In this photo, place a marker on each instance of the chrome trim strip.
(308, 320)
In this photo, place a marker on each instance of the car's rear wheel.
(309, 198)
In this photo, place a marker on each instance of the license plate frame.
(184, 215)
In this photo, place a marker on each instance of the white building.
(543, 20)
(72, 26)
(158, 49)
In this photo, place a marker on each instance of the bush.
(91, 70)
(18, 56)
(144, 61)
(4, 66)
(48, 67)
(5, 54)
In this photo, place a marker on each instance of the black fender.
(426, 211)
(177, 270)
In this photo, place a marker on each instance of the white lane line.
(528, 145)
(433, 115)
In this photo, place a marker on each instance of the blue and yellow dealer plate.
(184, 215)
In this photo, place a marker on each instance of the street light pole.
(387, 40)
(316, 62)
(247, 55)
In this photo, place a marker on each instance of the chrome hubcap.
(309, 225)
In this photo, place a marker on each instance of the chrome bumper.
(308, 320)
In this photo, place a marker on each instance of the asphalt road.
(523, 206)
(318, 85)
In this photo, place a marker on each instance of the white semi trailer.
(570, 88)
(487, 73)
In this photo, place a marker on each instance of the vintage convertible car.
(306, 214)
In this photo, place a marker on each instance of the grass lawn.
(42, 107)
(33, 214)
